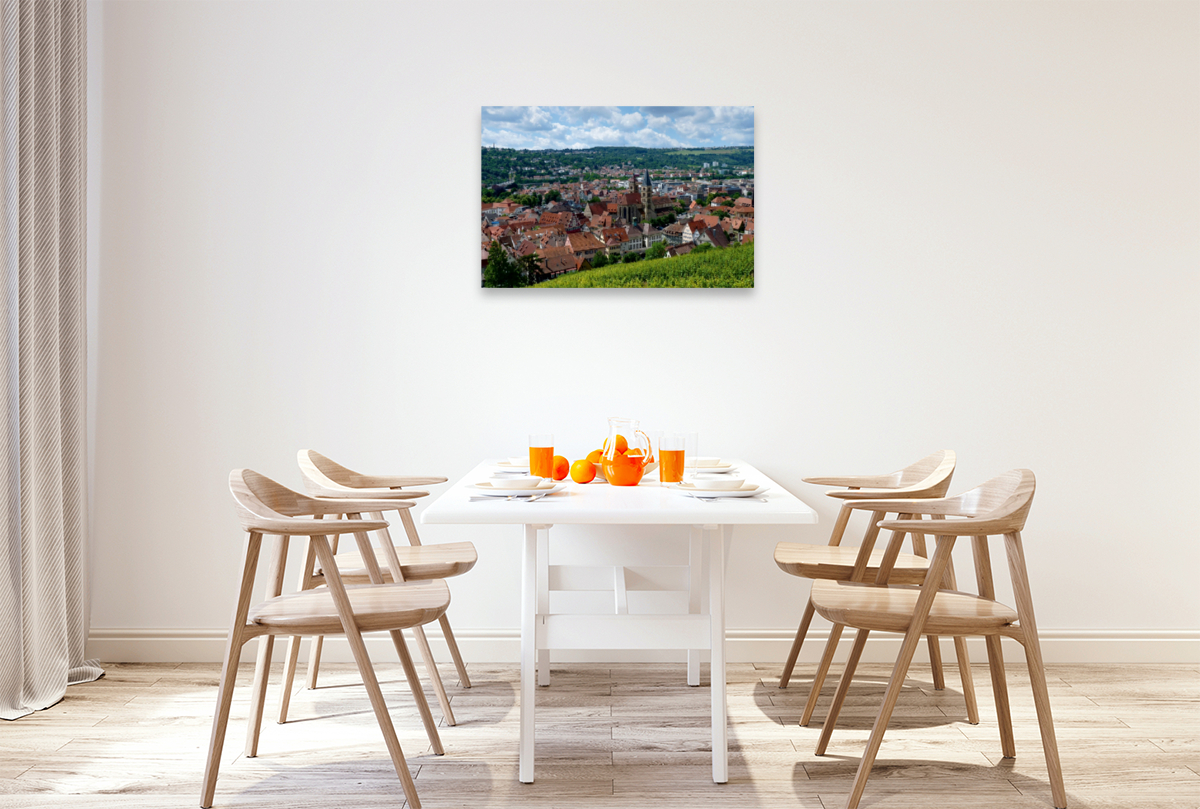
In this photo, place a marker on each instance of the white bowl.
(714, 483)
(518, 482)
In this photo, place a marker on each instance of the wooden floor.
(610, 736)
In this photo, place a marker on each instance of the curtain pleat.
(43, 571)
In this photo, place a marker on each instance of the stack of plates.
(708, 466)
(498, 489)
(746, 490)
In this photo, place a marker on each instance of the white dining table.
(597, 503)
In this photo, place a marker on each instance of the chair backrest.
(935, 468)
(260, 500)
(326, 472)
(1003, 501)
(928, 477)
(324, 477)
(999, 506)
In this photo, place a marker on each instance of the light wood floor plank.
(610, 737)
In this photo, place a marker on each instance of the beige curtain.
(43, 571)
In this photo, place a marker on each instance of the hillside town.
(617, 217)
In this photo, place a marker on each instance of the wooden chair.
(998, 507)
(406, 563)
(928, 477)
(264, 507)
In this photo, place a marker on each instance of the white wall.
(978, 231)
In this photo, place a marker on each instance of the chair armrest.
(915, 505)
(878, 494)
(855, 481)
(308, 528)
(397, 481)
(949, 528)
(348, 505)
(360, 494)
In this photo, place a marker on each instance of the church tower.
(647, 200)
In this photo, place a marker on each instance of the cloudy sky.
(583, 127)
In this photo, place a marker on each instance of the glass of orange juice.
(541, 455)
(671, 448)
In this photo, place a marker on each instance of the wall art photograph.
(617, 196)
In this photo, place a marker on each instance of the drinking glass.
(671, 455)
(541, 455)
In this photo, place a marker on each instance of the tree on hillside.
(599, 260)
(528, 267)
(657, 250)
(501, 271)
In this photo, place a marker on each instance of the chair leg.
(839, 697)
(968, 682)
(964, 659)
(1037, 669)
(435, 677)
(220, 722)
(233, 651)
(262, 666)
(289, 676)
(912, 638)
(464, 679)
(414, 684)
(790, 663)
(367, 671)
(314, 661)
(835, 634)
(258, 694)
(1008, 742)
(895, 685)
(935, 662)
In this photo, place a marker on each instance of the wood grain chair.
(998, 507)
(406, 563)
(928, 477)
(268, 509)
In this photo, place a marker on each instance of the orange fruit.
(634, 451)
(560, 467)
(583, 471)
(622, 445)
(595, 455)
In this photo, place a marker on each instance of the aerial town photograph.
(617, 197)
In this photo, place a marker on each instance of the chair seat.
(837, 563)
(889, 608)
(417, 562)
(376, 607)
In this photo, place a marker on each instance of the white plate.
(497, 488)
(747, 490)
(708, 465)
(509, 466)
(709, 470)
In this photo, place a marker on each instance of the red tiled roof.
(581, 242)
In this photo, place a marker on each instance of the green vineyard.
(729, 267)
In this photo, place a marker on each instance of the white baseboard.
(742, 646)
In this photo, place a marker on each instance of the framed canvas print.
(617, 197)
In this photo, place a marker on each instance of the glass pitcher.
(628, 453)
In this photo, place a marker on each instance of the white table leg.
(529, 600)
(695, 563)
(716, 608)
(543, 599)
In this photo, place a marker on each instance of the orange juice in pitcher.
(628, 453)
